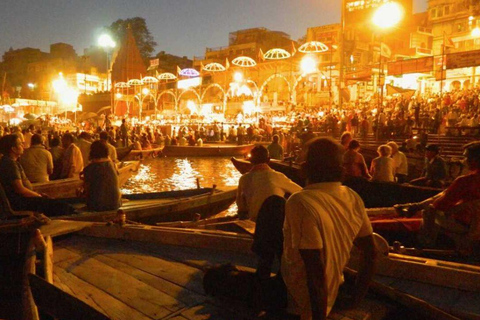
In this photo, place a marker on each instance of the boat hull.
(67, 188)
(207, 150)
(194, 204)
(374, 194)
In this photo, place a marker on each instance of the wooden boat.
(374, 194)
(122, 152)
(214, 150)
(145, 153)
(67, 188)
(150, 208)
(161, 272)
(96, 274)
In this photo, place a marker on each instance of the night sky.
(180, 27)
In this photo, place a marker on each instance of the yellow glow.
(388, 15)
(118, 95)
(238, 77)
(476, 32)
(59, 84)
(106, 41)
(192, 107)
(308, 64)
(248, 107)
(145, 91)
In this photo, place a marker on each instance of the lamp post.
(105, 41)
(385, 17)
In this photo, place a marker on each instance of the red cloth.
(464, 189)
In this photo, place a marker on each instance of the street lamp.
(105, 41)
(385, 17)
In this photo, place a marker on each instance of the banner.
(463, 59)
(420, 65)
(406, 93)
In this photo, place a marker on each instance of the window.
(440, 12)
(433, 13)
(460, 27)
(446, 10)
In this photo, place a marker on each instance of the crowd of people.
(309, 230)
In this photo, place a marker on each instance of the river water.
(165, 174)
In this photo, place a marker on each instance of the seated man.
(322, 223)
(456, 209)
(275, 149)
(260, 197)
(18, 188)
(435, 171)
(37, 161)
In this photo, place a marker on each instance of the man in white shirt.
(72, 163)
(322, 222)
(83, 143)
(112, 151)
(37, 161)
(400, 162)
(261, 198)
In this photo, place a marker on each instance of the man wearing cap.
(400, 162)
(435, 171)
(261, 198)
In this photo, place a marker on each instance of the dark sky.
(180, 27)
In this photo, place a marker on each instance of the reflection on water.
(165, 174)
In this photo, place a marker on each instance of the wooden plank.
(48, 260)
(430, 271)
(57, 228)
(180, 237)
(96, 298)
(60, 304)
(172, 271)
(133, 266)
(123, 287)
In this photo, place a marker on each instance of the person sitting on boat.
(136, 143)
(101, 180)
(400, 162)
(345, 139)
(191, 141)
(200, 142)
(57, 153)
(37, 161)
(275, 149)
(112, 151)
(72, 162)
(83, 143)
(456, 209)
(382, 167)
(18, 188)
(354, 163)
(322, 223)
(261, 198)
(435, 171)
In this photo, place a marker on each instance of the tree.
(144, 39)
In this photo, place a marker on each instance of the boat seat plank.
(57, 228)
(122, 286)
(94, 297)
